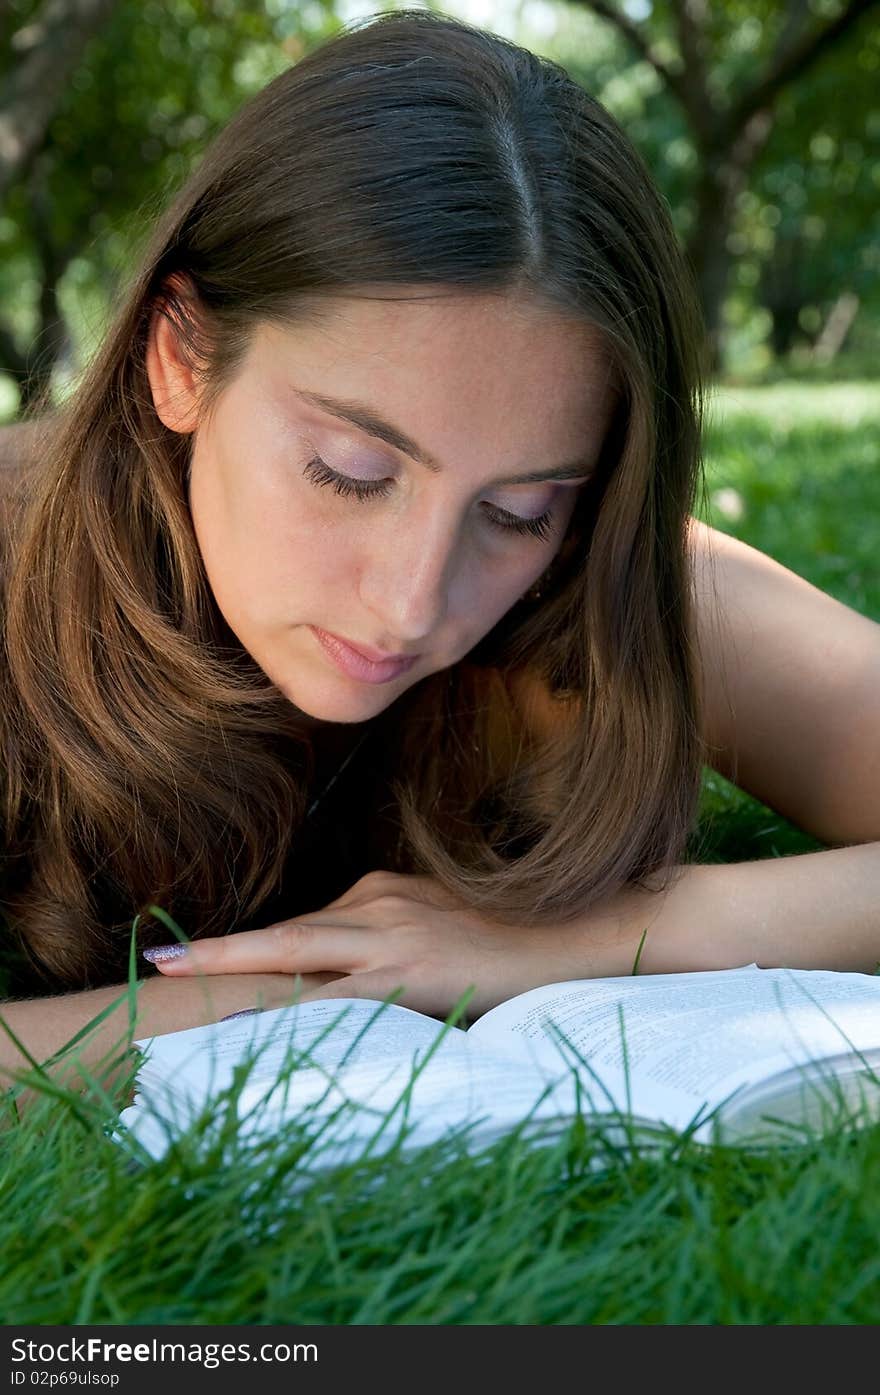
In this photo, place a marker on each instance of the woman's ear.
(173, 381)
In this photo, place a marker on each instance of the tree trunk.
(725, 168)
(780, 287)
(836, 328)
(728, 133)
(48, 49)
(52, 339)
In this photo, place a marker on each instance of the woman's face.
(367, 482)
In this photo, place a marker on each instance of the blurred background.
(760, 120)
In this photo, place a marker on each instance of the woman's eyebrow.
(359, 414)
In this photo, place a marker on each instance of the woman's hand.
(391, 932)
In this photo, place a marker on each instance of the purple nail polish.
(245, 1012)
(162, 953)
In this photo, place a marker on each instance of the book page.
(371, 1069)
(325, 1034)
(366, 1107)
(688, 1040)
(453, 1090)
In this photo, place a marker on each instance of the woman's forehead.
(485, 360)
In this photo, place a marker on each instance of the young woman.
(354, 602)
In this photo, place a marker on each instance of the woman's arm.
(44, 1025)
(818, 910)
(791, 689)
(812, 911)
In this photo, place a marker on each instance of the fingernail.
(162, 953)
(245, 1012)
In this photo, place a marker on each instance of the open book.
(735, 1055)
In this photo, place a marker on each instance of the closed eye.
(319, 473)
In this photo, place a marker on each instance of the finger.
(290, 947)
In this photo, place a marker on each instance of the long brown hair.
(147, 758)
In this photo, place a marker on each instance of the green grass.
(520, 1235)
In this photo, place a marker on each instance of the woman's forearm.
(44, 1025)
(818, 910)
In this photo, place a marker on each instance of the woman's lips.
(356, 664)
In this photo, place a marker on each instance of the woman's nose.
(406, 583)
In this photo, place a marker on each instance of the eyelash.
(320, 473)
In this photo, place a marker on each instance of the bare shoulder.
(789, 681)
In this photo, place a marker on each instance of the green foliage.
(807, 223)
(156, 82)
(804, 461)
(581, 1230)
(159, 79)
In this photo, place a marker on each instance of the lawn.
(518, 1235)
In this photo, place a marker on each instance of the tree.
(135, 111)
(727, 69)
(46, 50)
